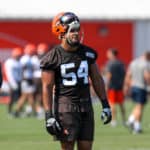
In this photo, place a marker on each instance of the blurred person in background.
(114, 77)
(136, 81)
(68, 67)
(42, 49)
(13, 71)
(27, 84)
(1, 77)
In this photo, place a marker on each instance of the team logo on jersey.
(89, 54)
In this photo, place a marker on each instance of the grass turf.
(30, 133)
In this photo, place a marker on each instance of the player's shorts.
(27, 86)
(76, 117)
(15, 94)
(79, 126)
(115, 96)
(139, 95)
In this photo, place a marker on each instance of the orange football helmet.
(61, 22)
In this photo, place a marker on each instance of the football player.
(115, 73)
(66, 68)
(137, 80)
(13, 70)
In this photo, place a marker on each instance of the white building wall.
(99, 9)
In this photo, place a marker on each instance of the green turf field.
(30, 134)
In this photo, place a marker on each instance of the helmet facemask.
(73, 27)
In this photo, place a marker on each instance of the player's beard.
(75, 43)
(77, 37)
(71, 43)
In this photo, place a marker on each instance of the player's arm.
(99, 87)
(108, 78)
(147, 76)
(127, 82)
(108, 75)
(10, 75)
(52, 125)
(47, 89)
(97, 82)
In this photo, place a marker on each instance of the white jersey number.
(70, 78)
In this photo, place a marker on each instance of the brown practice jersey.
(71, 71)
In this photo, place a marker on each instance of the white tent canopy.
(86, 9)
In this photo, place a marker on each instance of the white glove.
(106, 115)
(53, 127)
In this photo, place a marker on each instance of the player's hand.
(53, 127)
(106, 115)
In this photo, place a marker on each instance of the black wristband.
(105, 103)
(48, 114)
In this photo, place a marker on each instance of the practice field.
(30, 134)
